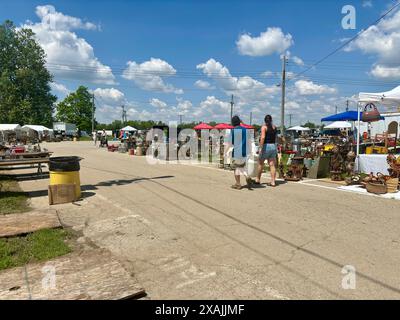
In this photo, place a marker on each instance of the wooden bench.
(21, 162)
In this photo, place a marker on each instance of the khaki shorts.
(238, 163)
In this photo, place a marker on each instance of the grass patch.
(37, 246)
(12, 199)
(85, 139)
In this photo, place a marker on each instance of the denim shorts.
(268, 151)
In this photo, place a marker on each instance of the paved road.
(185, 234)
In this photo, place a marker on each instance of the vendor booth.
(377, 163)
(9, 132)
(128, 129)
(37, 131)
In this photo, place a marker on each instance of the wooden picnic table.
(21, 162)
(24, 155)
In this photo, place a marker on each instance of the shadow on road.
(92, 187)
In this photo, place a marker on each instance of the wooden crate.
(62, 193)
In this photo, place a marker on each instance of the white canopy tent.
(40, 130)
(391, 97)
(128, 128)
(36, 128)
(9, 127)
(339, 125)
(298, 128)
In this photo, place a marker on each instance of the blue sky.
(165, 58)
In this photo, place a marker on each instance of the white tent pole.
(358, 135)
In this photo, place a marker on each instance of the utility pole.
(336, 109)
(93, 112)
(283, 84)
(347, 105)
(251, 117)
(180, 118)
(232, 104)
(124, 119)
(290, 120)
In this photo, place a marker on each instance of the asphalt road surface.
(185, 234)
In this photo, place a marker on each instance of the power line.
(350, 40)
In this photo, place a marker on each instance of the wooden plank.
(62, 193)
(5, 163)
(21, 223)
(92, 274)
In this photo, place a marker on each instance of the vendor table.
(373, 163)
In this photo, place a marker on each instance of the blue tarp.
(345, 116)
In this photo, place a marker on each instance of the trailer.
(64, 129)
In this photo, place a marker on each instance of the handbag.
(370, 113)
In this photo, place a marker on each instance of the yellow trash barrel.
(65, 170)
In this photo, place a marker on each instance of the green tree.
(25, 94)
(310, 125)
(76, 108)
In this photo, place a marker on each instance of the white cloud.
(109, 95)
(382, 41)
(385, 73)
(245, 88)
(201, 84)
(59, 21)
(158, 103)
(59, 88)
(149, 75)
(273, 40)
(305, 88)
(184, 106)
(213, 109)
(292, 105)
(68, 56)
(109, 102)
(268, 74)
(367, 4)
(298, 61)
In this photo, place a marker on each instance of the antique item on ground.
(376, 187)
(350, 163)
(353, 180)
(336, 164)
(394, 165)
(378, 184)
(392, 184)
(295, 170)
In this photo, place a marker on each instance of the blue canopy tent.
(345, 116)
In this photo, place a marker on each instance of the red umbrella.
(247, 126)
(223, 126)
(203, 126)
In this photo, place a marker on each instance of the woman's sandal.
(237, 187)
(271, 185)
